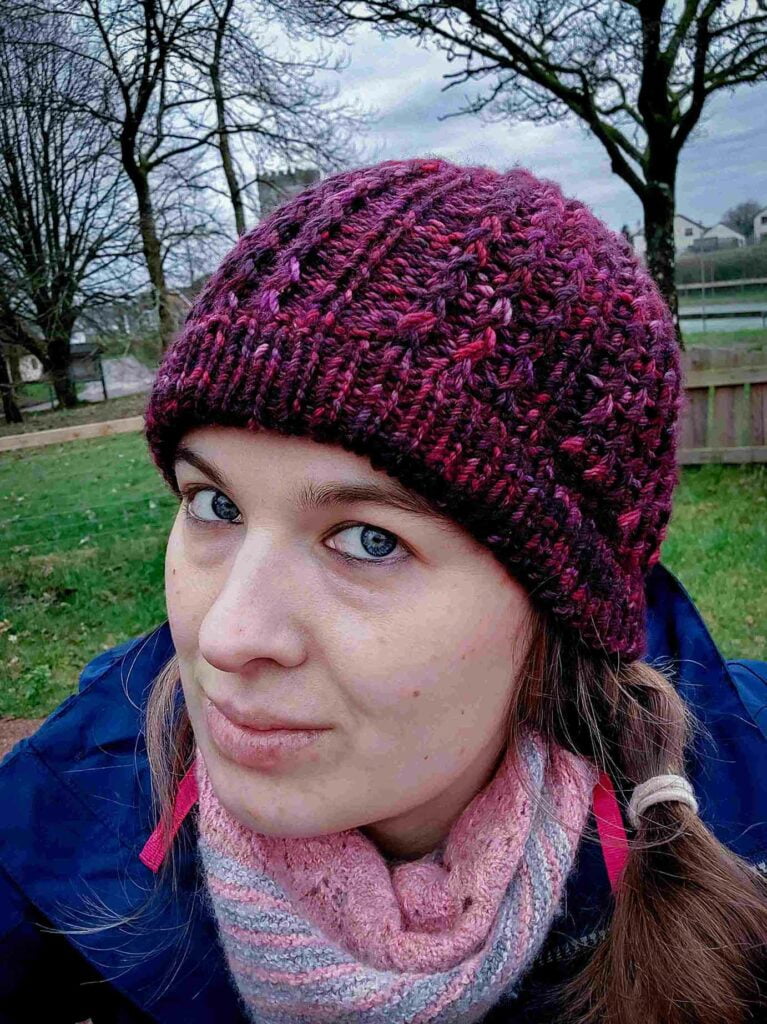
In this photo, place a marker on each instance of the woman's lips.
(255, 748)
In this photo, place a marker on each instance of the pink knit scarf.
(324, 929)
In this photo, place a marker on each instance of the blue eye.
(369, 541)
(211, 506)
(373, 546)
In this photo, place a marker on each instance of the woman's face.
(303, 590)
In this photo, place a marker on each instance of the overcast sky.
(724, 162)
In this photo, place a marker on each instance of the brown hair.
(686, 941)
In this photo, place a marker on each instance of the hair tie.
(659, 789)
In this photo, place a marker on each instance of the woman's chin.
(281, 828)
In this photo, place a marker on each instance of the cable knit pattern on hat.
(324, 929)
(477, 335)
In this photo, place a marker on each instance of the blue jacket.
(75, 812)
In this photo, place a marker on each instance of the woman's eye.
(365, 543)
(359, 543)
(211, 506)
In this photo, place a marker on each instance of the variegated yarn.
(324, 929)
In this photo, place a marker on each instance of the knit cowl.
(325, 928)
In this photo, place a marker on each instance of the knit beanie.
(480, 337)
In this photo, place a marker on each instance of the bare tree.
(267, 108)
(136, 43)
(65, 227)
(181, 87)
(637, 73)
(741, 217)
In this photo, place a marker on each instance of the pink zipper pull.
(158, 844)
(612, 832)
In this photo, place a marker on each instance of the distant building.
(21, 366)
(718, 237)
(686, 232)
(275, 189)
(760, 226)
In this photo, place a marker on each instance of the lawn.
(86, 412)
(712, 296)
(749, 261)
(82, 529)
(746, 337)
(83, 526)
(717, 546)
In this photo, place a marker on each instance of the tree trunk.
(64, 387)
(11, 411)
(227, 163)
(153, 254)
(59, 360)
(14, 364)
(224, 148)
(659, 207)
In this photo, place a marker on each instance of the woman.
(413, 745)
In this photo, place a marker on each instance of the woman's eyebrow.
(312, 496)
(184, 454)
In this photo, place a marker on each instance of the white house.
(724, 236)
(686, 231)
(760, 226)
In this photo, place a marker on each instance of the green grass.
(717, 546)
(82, 535)
(723, 264)
(747, 338)
(88, 412)
(749, 293)
(82, 532)
(36, 391)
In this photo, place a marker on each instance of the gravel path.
(14, 729)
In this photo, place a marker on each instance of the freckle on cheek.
(416, 693)
(426, 757)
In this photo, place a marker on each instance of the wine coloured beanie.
(480, 337)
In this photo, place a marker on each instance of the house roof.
(689, 220)
(720, 224)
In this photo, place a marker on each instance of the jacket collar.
(72, 844)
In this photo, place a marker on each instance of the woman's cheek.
(185, 594)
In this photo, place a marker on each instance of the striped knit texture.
(475, 334)
(324, 929)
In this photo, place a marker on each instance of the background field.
(82, 530)
(83, 526)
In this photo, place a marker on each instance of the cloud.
(724, 162)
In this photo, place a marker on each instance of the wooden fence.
(724, 416)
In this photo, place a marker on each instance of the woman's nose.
(255, 614)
